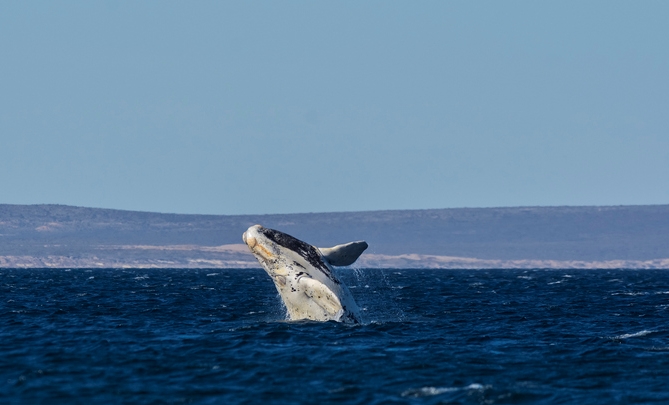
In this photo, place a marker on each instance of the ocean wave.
(633, 335)
(431, 391)
(633, 294)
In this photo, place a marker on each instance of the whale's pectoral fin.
(321, 295)
(344, 255)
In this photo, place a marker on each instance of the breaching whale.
(303, 274)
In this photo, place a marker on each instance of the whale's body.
(303, 274)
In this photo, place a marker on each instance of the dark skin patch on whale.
(297, 264)
(308, 252)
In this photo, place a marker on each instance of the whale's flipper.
(321, 295)
(344, 255)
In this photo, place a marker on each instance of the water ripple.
(445, 336)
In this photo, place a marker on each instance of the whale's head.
(261, 246)
(279, 252)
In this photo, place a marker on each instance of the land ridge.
(61, 236)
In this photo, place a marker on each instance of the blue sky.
(282, 107)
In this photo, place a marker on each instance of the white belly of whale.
(303, 275)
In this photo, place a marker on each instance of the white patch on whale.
(303, 274)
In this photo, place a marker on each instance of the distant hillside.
(65, 236)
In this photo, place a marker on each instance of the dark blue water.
(430, 336)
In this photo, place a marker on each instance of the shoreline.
(236, 257)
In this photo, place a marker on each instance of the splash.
(378, 302)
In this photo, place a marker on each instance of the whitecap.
(430, 391)
(631, 335)
(630, 293)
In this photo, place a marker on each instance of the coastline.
(237, 256)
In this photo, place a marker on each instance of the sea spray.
(375, 294)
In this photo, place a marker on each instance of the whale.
(303, 274)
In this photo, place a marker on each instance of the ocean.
(183, 336)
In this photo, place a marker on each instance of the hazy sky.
(280, 107)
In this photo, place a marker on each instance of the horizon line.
(340, 212)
